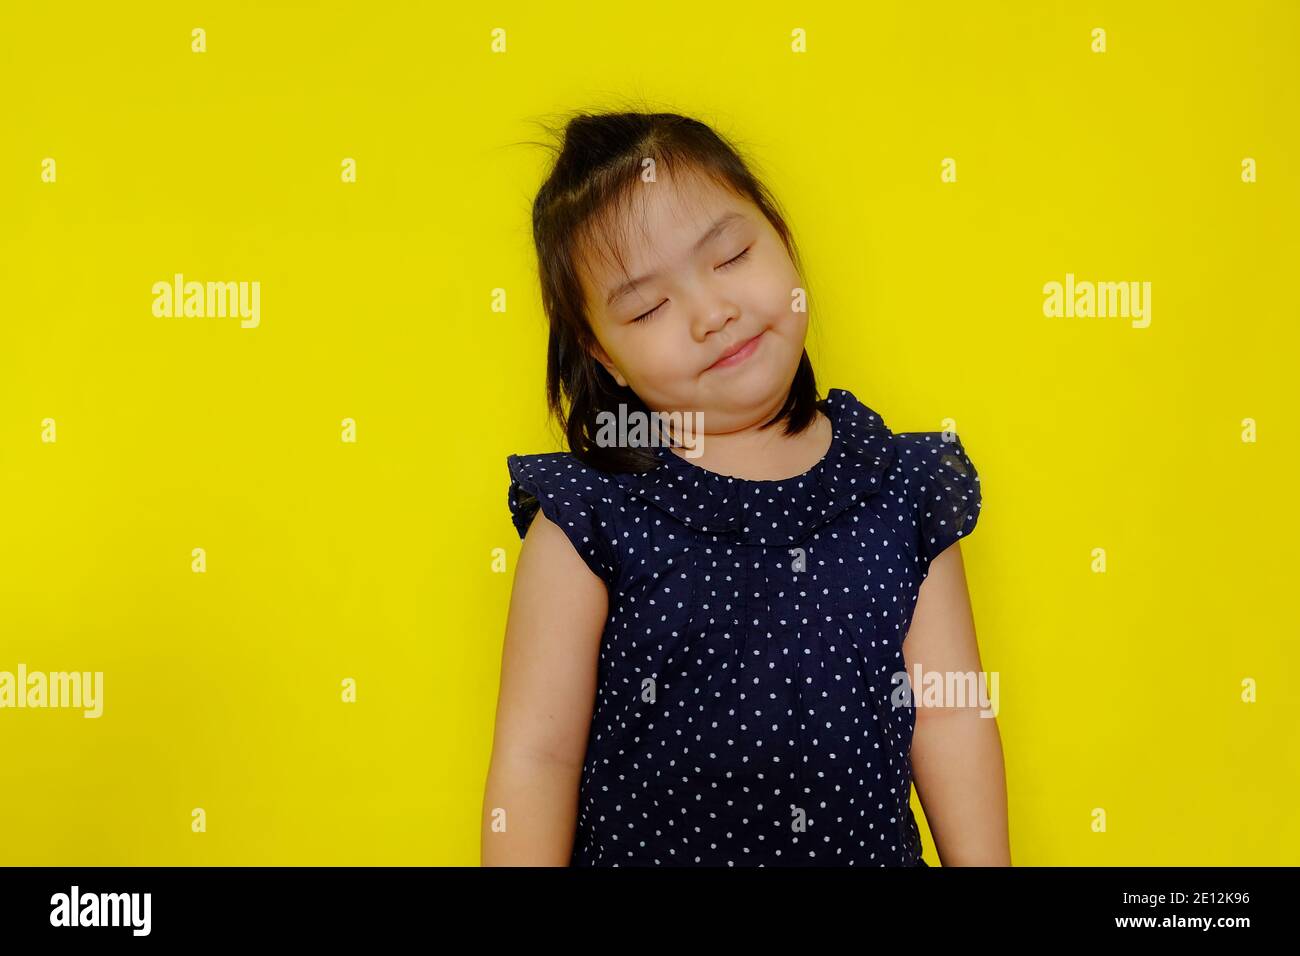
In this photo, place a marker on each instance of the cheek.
(654, 354)
(781, 301)
(789, 326)
(792, 331)
(778, 292)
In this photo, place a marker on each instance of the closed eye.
(732, 262)
(726, 265)
(646, 315)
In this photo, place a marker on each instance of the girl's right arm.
(548, 690)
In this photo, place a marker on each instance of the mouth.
(737, 355)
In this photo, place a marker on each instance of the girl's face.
(714, 275)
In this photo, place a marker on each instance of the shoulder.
(935, 474)
(559, 466)
(562, 475)
(926, 453)
(578, 499)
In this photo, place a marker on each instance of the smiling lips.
(737, 355)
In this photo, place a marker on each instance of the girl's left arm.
(956, 753)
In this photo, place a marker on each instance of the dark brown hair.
(584, 200)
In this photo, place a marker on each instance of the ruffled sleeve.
(944, 488)
(575, 497)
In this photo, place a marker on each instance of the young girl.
(708, 643)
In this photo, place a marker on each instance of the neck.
(752, 453)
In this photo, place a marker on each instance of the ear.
(600, 356)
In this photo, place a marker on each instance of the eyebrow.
(711, 233)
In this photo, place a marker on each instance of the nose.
(714, 314)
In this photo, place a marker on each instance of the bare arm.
(548, 688)
(956, 754)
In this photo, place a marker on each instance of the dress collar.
(775, 512)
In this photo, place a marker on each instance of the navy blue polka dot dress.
(743, 713)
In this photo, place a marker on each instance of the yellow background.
(373, 560)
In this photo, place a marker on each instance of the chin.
(752, 387)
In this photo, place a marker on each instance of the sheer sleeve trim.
(944, 487)
(575, 497)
